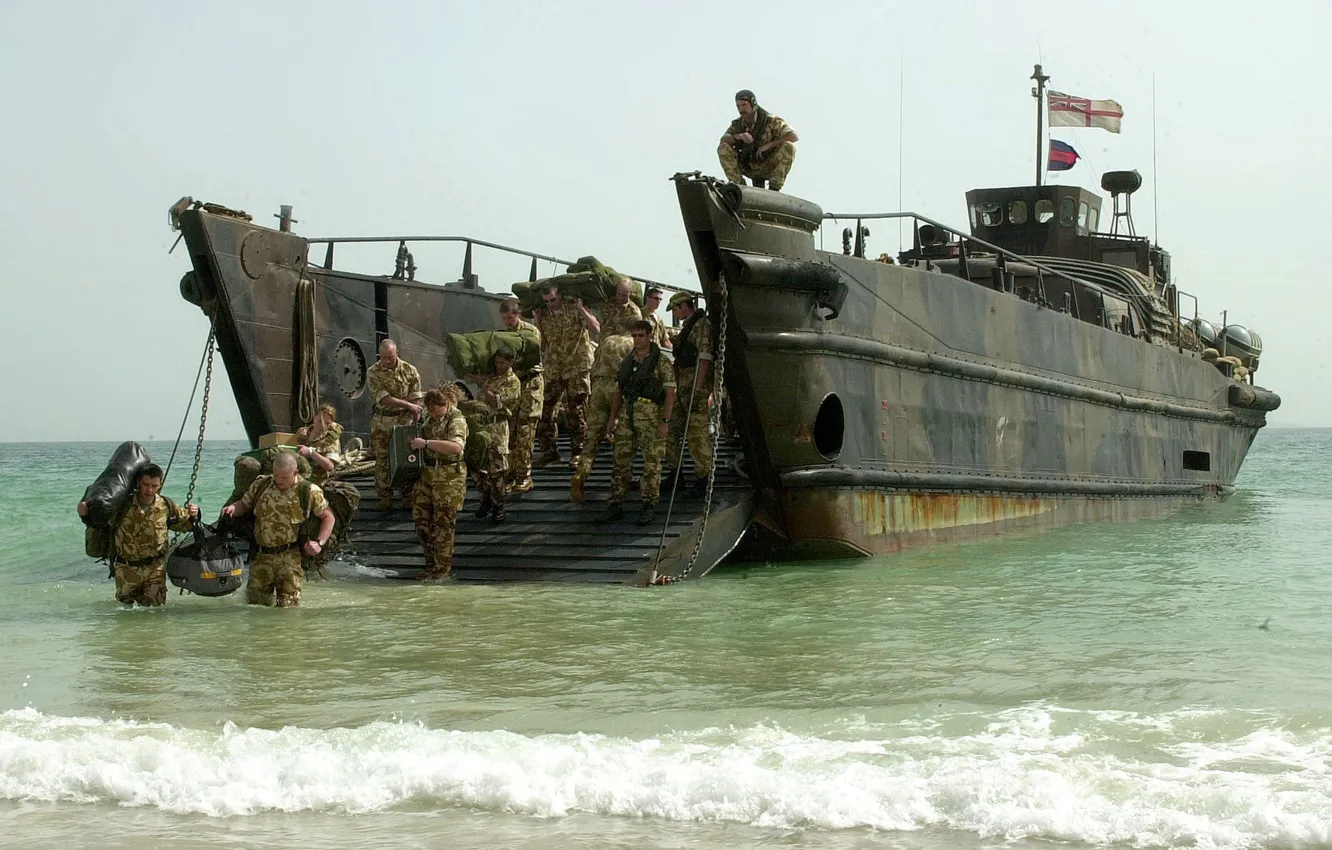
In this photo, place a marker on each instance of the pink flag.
(1069, 111)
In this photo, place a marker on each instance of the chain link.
(203, 418)
(714, 422)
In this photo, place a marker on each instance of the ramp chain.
(714, 422)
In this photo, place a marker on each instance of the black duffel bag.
(110, 494)
(210, 564)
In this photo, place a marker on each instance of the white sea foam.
(1035, 772)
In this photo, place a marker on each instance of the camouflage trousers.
(435, 513)
(773, 167)
(522, 435)
(574, 392)
(379, 447)
(635, 430)
(700, 441)
(279, 575)
(492, 478)
(598, 415)
(144, 585)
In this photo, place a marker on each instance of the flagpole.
(1038, 92)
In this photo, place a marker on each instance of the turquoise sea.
(1161, 684)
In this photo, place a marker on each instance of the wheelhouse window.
(1017, 212)
(1083, 211)
(991, 214)
(1044, 210)
(1093, 220)
(1068, 212)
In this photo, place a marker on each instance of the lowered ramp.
(547, 537)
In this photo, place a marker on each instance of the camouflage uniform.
(610, 354)
(700, 442)
(659, 335)
(141, 541)
(636, 429)
(491, 476)
(329, 444)
(404, 382)
(439, 494)
(526, 415)
(568, 352)
(277, 525)
(615, 318)
(773, 167)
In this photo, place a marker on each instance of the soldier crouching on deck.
(141, 539)
(757, 145)
(439, 494)
(644, 399)
(281, 504)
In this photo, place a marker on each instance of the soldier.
(641, 417)
(526, 414)
(757, 145)
(320, 442)
(501, 393)
(396, 387)
(281, 503)
(141, 539)
(605, 372)
(651, 303)
(439, 494)
(565, 324)
(620, 312)
(693, 377)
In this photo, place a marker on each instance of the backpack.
(343, 500)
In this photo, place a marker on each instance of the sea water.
(1160, 684)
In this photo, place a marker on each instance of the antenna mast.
(1156, 219)
(1038, 92)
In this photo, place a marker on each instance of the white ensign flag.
(1069, 111)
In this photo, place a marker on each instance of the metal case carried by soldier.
(404, 462)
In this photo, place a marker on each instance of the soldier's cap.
(746, 94)
(681, 298)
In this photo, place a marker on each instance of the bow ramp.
(547, 537)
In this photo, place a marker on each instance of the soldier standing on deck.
(141, 539)
(439, 494)
(523, 426)
(501, 393)
(643, 402)
(396, 387)
(693, 377)
(565, 325)
(616, 316)
(757, 145)
(605, 372)
(281, 504)
(651, 302)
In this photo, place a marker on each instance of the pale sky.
(555, 126)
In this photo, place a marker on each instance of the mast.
(1038, 92)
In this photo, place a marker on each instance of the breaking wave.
(1040, 772)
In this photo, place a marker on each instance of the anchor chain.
(203, 418)
(714, 422)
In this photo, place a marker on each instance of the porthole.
(830, 427)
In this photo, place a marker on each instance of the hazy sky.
(555, 126)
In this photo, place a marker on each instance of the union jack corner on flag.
(1069, 111)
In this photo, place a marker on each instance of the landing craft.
(1033, 371)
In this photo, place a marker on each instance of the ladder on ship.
(546, 537)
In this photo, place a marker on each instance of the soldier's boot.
(758, 182)
(485, 506)
(498, 513)
(576, 487)
(614, 512)
(523, 486)
(385, 503)
(546, 458)
(700, 486)
(646, 513)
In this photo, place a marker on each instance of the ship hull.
(886, 406)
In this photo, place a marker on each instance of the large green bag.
(473, 353)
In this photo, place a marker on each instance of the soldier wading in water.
(141, 539)
(282, 502)
(439, 494)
